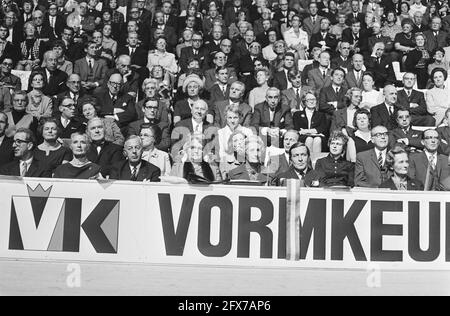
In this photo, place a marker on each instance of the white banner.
(223, 225)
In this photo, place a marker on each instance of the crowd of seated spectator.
(334, 93)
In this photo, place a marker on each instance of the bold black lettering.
(344, 227)
(72, 221)
(282, 229)
(315, 220)
(434, 246)
(246, 226)
(204, 226)
(15, 238)
(175, 240)
(378, 230)
(447, 232)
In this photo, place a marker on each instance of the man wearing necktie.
(134, 168)
(404, 134)
(429, 167)
(56, 78)
(24, 164)
(382, 113)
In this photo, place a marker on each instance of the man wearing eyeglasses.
(115, 104)
(7, 49)
(150, 110)
(429, 167)
(24, 164)
(282, 14)
(404, 134)
(130, 77)
(67, 121)
(73, 91)
(7, 79)
(370, 168)
(197, 51)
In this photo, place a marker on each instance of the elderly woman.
(404, 42)
(90, 109)
(439, 60)
(252, 168)
(438, 98)
(39, 105)
(311, 124)
(417, 61)
(51, 153)
(31, 49)
(160, 57)
(150, 136)
(279, 48)
(258, 94)
(336, 169)
(193, 166)
(186, 41)
(79, 167)
(296, 39)
(370, 96)
(397, 161)
(193, 86)
(338, 28)
(361, 139)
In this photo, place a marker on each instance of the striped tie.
(380, 160)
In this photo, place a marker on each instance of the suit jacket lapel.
(32, 169)
(374, 159)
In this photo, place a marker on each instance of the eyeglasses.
(379, 135)
(21, 141)
(431, 137)
(404, 117)
(7, 64)
(71, 105)
(150, 107)
(115, 83)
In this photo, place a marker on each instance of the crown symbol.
(39, 191)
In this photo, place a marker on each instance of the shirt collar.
(29, 161)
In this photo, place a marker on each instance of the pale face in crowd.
(50, 131)
(431, 140)
(362, 121)
(336, 147)
(290, 138)
(232, 120)
(133, 150)
(236, 91)
(199, 110)
(401, 164)
(403, 119)
(89, 111)
(96, 131)
(299, 158)
(380, 137)
(79, 145)
(147, 137)
(368, 83)
(273, 98)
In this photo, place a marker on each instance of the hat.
(192, 78)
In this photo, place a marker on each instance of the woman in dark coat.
(417, 61)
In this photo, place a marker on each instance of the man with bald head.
(383, 114)
(130, 77)
(56, 78)
(353, 78)
(73, 91)
(116, 104)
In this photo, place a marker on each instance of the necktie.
(224, 90)
(314, 20)
(337, 90)
(357, 76)
(297, 94)
(432, 162)
(90, 64)
(380, 160)
(52, 22)
(408, 92)
(65, 122)
(23, 169)
(134, 174)
(324, 74)
(391, 111)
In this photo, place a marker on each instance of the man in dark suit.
(324, 39)
(246, 72)
(67, 122)
(435, 37)
(281, 78)
(357, 37)
(383, 114)
(419, 25)
(342, 60)
(355, 14)
(24, 164)
(280, 163)
(236, 95)
(196, 51)
(353, 79)
(197, 123)
(169, 31)
(138, 54)
(212, 41)
(281, 15)
(150, 111)
(221, 90)
(219, 61)
(270, 118)
(315, 53)
(169, 18)
(73, 91)
(134, 168)
(92, 71)
(429, 167)
(43, 32)
(381, 66)
(54, 21)
(378, 37)
(231, 13)
(311, 24)
(414, 101)
(115, 104)
(101, 152)
(404, 134)
(8, 49)
(131, 78)
(7, 79)
(292, 97)
(6, 143)
(332, 97)
(370, 167)
(15, 30)
(242, 48)
(74, 51)
(56, 79)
